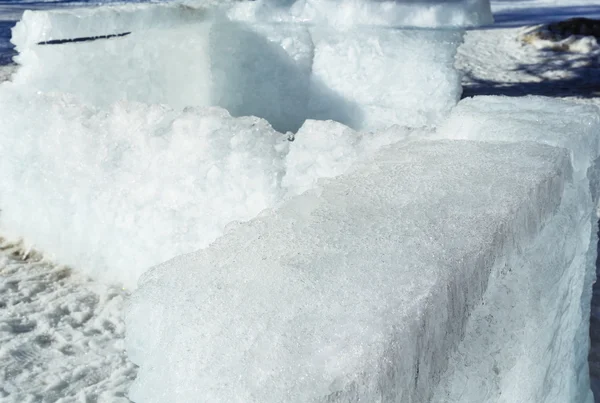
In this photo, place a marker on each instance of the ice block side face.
(528, 341)
(355, 292)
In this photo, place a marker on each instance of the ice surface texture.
(389, 283)
(446, 271)
(358, 290)
(539, 304)
(115, 191)
(404, 77)
(367, 78)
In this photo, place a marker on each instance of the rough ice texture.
(541, 306)
(356, 291)
(545, 120)
(391, 77)
(426, 274)
(385, 13)
(115, 191)
(366, 78)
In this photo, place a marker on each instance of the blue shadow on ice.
(256, 77)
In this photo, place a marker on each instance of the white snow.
(61, 335)
(519, 13)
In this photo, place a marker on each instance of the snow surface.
(500, 62)
(519, 13)
(61, 335)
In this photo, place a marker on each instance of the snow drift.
(431, 265)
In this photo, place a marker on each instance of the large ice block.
(115, 191)
(191, 57)
(55, 24)
(528, 341)
(571, 125)
(356, 291)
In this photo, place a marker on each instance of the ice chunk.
(192, 64)
(44, 25)
(328, 149)
(263, 71)
(385, 13)
(113, 192)
(357, 291)
(173, 55)
(528, 339)
(402, 77)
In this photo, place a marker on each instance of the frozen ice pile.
(390, 283)
(115, 191)
(364, 77)
(122, 144)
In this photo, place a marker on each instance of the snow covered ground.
(61, 334)
(497, 62)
